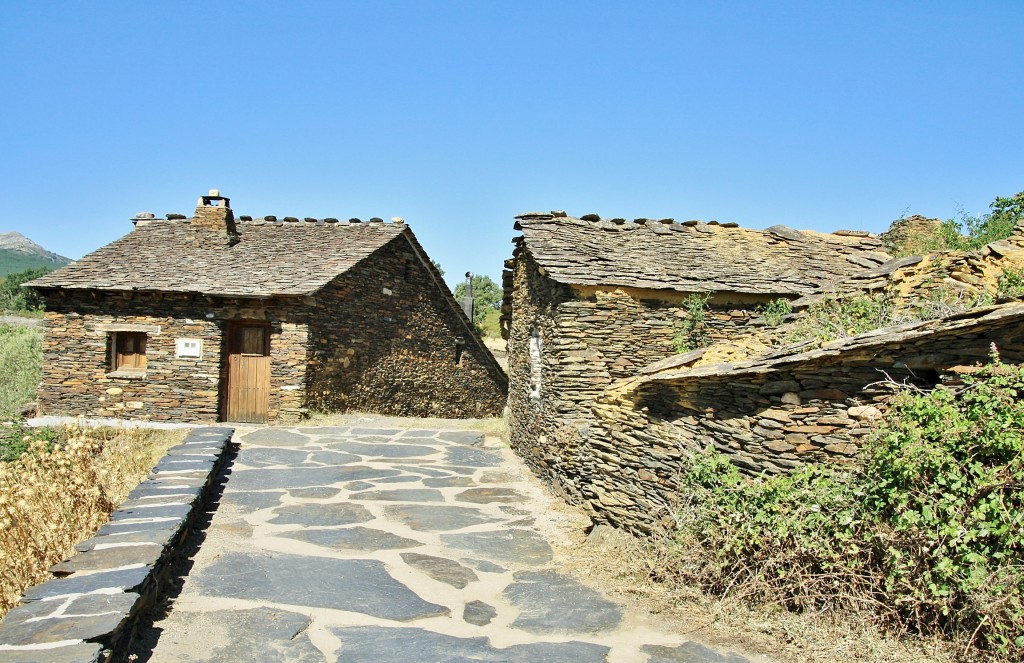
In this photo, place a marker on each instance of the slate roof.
(270, 258)
(694, 256)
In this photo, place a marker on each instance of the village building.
(607, 404)
(589, 301)
(260, 320)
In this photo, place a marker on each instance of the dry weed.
(58, 493)
(626, 566)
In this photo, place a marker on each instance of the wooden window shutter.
(130, 351)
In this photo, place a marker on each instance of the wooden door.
(248, 392)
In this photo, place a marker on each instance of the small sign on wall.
(189, 347)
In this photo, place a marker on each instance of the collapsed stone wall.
(618, 453)
(911, 232)
(945, 280)
(763, 418)
(385, 339)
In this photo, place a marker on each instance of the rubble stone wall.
(588, 340)
(809, 412)
(77, 377)
(386, 340)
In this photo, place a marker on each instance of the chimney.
(214, 213)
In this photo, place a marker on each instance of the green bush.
(20, 366)
(839, 317)
(690, 331)
(967, 232)
(782, 539)
(16, 438)
(1000, 223)
(1010, 283)
(928, 534)
(945, 475)
(774, 312)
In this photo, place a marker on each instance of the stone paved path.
(389, 545)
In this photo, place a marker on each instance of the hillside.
(18, 253)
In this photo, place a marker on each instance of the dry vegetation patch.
(58, 487)
(633, 570)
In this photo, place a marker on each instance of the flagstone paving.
(387, 545)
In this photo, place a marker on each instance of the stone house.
(590, 301)
(260, 320)
(605, 408)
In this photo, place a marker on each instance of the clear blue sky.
(459, 115)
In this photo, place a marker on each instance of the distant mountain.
(18, 253)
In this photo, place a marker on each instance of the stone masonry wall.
(589, 339)
(77, 378)
(385, 339)
(814, 411)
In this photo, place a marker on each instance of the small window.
(460, 345)
(188, 347)
(129, 352)
(408, 271)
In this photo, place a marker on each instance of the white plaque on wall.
(189, 347)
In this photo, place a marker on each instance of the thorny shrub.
(60, 489)
(927, 535)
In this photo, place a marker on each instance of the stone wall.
(771, 416)
(589, 338)
(911, 233)
(944, 280)
(371, 340)
(386, 339)
(77, 377)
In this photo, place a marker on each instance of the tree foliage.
(967, 232)
(15, 298)
(487, 297)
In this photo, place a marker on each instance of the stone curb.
(89, 611)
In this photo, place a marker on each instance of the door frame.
(232, 330)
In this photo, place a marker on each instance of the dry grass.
(59, 493)
(624, 566)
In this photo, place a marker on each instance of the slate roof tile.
(269, 259)
(693, 257)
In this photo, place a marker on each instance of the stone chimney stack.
(214, 213)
